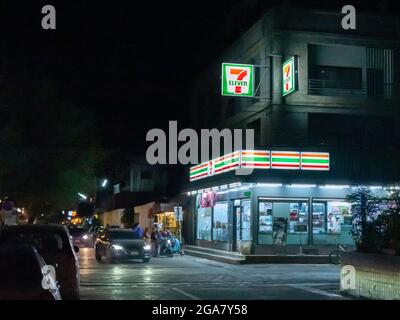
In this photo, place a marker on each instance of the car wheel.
(145, 260)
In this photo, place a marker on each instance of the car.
(22, 270)
(118, 244)
(82, 237)
(54, 244)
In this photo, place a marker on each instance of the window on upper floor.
(351, 71)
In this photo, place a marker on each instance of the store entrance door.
(241, 223)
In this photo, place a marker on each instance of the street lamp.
(82, 196)
(104, 183)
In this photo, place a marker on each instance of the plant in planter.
(390, 220)
(366, 227)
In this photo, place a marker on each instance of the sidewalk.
(237, 258)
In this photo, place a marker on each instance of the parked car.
(118, 244)
(22, 275)
(82, 237)
(54, 244)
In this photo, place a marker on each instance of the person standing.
(156, 239)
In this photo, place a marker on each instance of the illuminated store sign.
(262, 159)
(237, 79)
(289, 76)
(314, 161)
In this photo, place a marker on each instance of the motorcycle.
(166, 247)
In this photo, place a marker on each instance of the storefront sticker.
(237, 79)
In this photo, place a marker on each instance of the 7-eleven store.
(291, 202)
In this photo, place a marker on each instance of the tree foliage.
(49, 149)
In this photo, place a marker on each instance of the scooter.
(166, 247)
(176, 246)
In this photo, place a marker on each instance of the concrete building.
(345, 105)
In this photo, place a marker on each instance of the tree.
(49, 149)
(390, 219)
(366, 227)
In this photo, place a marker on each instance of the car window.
(20, 269)
(77, 232)
(123, 234)
(43, 242)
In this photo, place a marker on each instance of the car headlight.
(147, 247)
(117, 247)
(85, 237)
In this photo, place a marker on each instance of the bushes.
(376, 221)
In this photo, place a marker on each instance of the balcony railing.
(321, 87)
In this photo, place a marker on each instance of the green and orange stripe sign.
(199, 171)
(262, 159)
(255, 159)
(227, 162)
(285, 160)
(315, 161)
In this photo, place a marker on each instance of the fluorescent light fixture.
(188, 193)
(236, 184)
(269, 184)
(105, 181)
(193, 193)
(225, 186)
(375, 187)
(334, 186)
(82, 195)
(223, 192)
(215, 188)
(295, 185)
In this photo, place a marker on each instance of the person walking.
(156, 239)
(147, 236)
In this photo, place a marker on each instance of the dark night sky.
(128, 62)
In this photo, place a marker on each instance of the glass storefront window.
(298, 221)
(336, 217)
(319, 218)
(220, 227)
(265, 217)
(246, 221)
(204, 223)
(338, 214)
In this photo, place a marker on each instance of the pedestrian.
(147, 236)
(156, 239)
(138, 230)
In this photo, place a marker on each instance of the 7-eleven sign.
(237, 79)
(289, 76)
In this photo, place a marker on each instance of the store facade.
(271, 211)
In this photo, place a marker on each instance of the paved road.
(187, 277)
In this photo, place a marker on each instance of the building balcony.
(322, 87)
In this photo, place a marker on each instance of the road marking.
(186, 294)
(317, 291)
